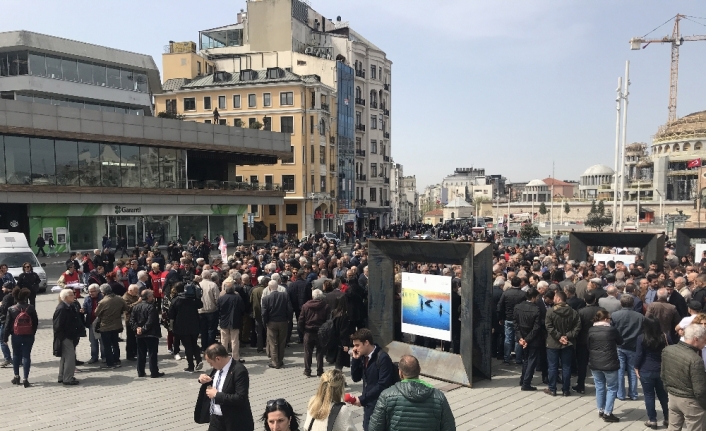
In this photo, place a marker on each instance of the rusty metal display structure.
(684, 237)
(476, 305)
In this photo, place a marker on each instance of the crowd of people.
(641, 321)
(223, 312)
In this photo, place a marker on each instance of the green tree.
(170, 115)
(238, 122)
(567, 208)
(543, 209)
(528, 231)
(593, 208)
(601, 208)
(256, 125)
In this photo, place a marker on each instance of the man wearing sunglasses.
(223, 401)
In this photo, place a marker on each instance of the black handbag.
(56, 347)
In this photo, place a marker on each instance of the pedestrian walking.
(21, 326)
(276, 311)
(30, 280)
(144, 322)
(40, 243)
(8, 296)
(184, 312)
(67, 325)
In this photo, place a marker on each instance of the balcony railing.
(386, 158)
(361, 177)
(386, 87)
(360, 153)
(374, 105)
(386, 112)
(332, 140)
(360, 73)
(360, 127)
(386, 135)
(386, 203)
(232, 185)
(361, 202)
(325, 107)
(332, 167)
(359, 101)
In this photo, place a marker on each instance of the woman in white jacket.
(326, 411)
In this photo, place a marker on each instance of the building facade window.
(373, 122)
(288, 183)
(267, 99)
(287, 124)
(373, 194)
(171, 106)
(255, 210)
(207, 103)
(323, 183)
(236, 101)
(373, 72)
(286, 99)
(373, 146)
(290, 209)
(221, 102)
(322, 155)
(272, 210)
(189, 104)
(252, 101)
(373, 170)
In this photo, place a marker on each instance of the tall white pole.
(617, 148)
(532, 213)
(626, 93)
(551, 206)
(637, 224)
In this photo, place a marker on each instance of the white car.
(330, 236)
(422, 236)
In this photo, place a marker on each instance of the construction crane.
(676, 39)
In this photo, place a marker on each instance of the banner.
(627, 259)
(224, 249)
(699, 252)
(426, 305)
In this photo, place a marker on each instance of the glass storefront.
(78, 103)
(223, 225)
(58, 162)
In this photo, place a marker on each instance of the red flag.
(693, 163)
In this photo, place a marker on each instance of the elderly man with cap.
(595, 286)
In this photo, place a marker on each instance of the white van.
(14, 251)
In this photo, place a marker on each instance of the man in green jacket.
(563, 326)
(412, 404)
(684, 379)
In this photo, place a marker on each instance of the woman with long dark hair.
(648, 364)
(279, 416)
(21, 324)
(343, 330)
(29, 280)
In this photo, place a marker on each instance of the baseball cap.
(695, 305)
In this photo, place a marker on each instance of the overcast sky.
(509, 86)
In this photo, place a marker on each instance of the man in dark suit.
(372, 365)
(223, 401)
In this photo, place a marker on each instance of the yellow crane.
(676, 39)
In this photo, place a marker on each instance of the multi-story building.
(396, 195)
(290, 35)
(272, 99)
(411, 199)
(55, 71)
(433, 197)
(82, 157)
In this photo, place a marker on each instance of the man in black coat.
(230, 318)
(223, 400)
(372, 365)
(67, 327)
(506, 308)
(528, 333)
(297, 292)
(586, 314)
(676, 299)
(144, 322)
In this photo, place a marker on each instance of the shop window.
(89, 164)
(110, 165)
(43, 162)
(172, 168)
(66, 163)
(130, 165)
(291, 209)
(193, 225)
(17, 160)
(149, 167)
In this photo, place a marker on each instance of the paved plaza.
(119, 400)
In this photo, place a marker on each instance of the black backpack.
(326, 334)
(335, 409)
